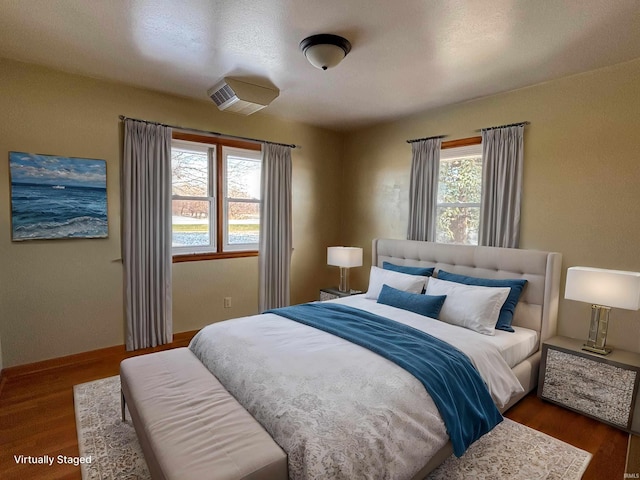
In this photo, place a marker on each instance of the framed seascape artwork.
(57, 197)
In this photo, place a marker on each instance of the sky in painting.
(52, 170)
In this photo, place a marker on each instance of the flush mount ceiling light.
(325, 50)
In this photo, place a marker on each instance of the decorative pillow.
(469, 306)
(401, 281)
(423, 271)
(508, 309)
(427, 305)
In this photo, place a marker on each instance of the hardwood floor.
(36, 409)
(608, 445)
(37, 417)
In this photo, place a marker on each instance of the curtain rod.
(425, 138)
(505, 126)
(206, 132)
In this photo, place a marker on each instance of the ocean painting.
(57, 197)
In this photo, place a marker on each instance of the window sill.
(196, 257)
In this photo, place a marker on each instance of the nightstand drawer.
(598, 389)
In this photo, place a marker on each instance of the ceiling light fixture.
(325, 50)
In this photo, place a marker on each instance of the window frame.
(226, 199)
(217, 185)
(210, 197)
(463, 142)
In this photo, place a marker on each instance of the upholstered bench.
(190, 427)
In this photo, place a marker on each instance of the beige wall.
(60, 297)
(581, 179)
(581, 196)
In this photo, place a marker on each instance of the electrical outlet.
(227, 302)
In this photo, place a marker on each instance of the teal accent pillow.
(427, 305)
(422, 271)
(508, 308)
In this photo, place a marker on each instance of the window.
(193, 200)
(459, 192)
(241, 199)
(215, 197)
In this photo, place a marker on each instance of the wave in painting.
(84, 227)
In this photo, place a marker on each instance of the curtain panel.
(146, 187)
(274, 261)
(502, 155)
(423, 193)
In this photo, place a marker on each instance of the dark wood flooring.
(37, 417)
(608, 445)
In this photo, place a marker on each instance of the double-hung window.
(193, 206)
(459, 193)
(241, 199)
(215, 197)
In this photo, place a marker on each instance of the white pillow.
(473, 307)
(402, 281)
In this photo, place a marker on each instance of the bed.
(341, 411)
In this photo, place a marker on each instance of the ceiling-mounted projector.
(238, 96)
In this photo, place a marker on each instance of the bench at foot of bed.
(190, 427)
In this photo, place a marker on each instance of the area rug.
(509, 451)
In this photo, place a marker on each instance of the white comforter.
(339, 410)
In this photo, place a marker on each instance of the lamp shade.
(611, 288)
(344, 256)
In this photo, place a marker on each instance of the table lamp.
(345, 258)
(603, 289)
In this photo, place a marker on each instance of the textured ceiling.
(407, 56)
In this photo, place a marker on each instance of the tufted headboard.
(538, 305)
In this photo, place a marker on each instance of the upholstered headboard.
(538, 305)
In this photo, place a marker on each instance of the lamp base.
(598, 331)
(599, 351)
(344, 280)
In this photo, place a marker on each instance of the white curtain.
(146, 187)
(423, 193)
(275, 228)
(502, 155)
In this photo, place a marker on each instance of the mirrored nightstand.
(332, 293)
(601, 387)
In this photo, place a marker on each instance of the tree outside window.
(459, 195)
(192, 197)
(242, 198)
